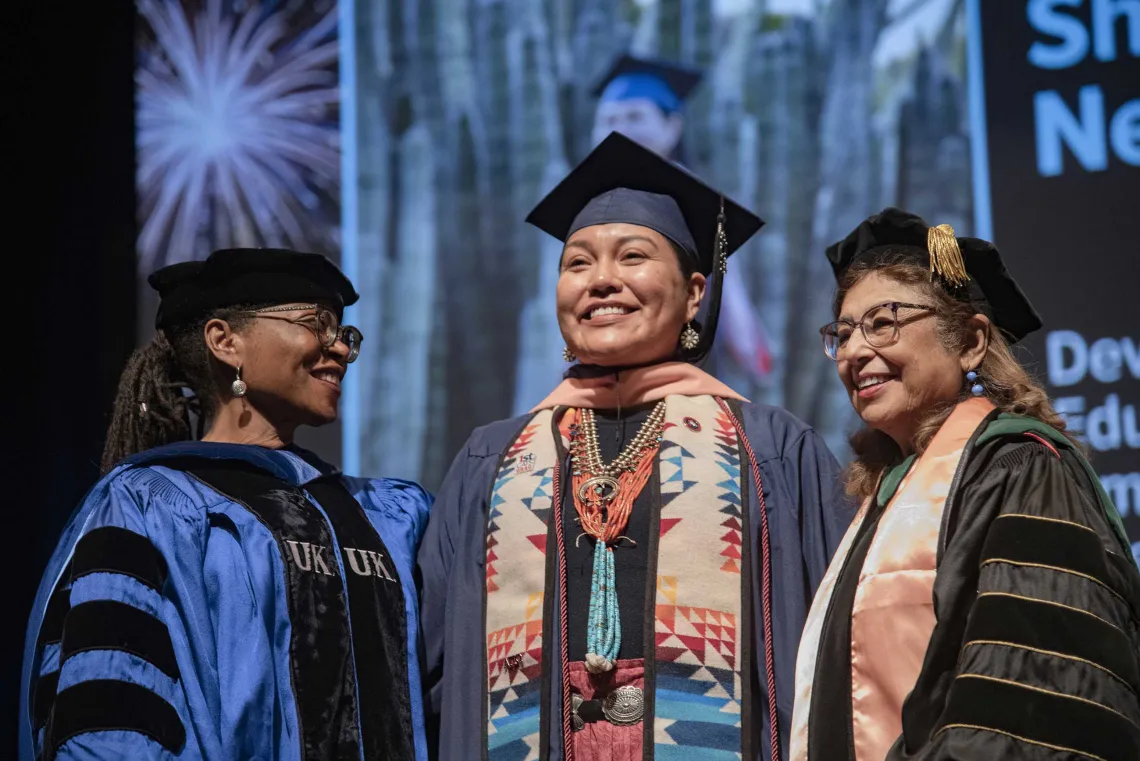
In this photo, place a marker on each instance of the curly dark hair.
(1007, 384)
(151, 406)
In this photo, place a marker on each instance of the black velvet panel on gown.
(348, 652)
(379, 625)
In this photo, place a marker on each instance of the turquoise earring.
(975, 385)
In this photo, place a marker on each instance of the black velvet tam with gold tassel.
(971, 269)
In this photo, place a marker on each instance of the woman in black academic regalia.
(985, 603)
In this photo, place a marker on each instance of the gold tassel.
(945, 255)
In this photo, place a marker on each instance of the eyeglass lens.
(879, 326)
(329, 331)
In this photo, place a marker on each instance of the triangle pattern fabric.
(521, 502)
(701, 524)
(698, 592)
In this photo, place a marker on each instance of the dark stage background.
(70, 262)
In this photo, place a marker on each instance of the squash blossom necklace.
(603, 498)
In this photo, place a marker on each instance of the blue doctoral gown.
(176, 620)
(807, 515)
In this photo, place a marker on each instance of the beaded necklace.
(603, 498)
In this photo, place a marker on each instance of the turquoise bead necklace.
(603, 498)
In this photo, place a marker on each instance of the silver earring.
(238, 387)
(567, 355)
(689, 338)
(720, 243)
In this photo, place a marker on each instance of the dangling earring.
(689, 338)
(238, 387)
(975, 385)
(720, 242)
(567, 355)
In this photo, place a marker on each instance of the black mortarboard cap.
(621, 181)
(191, 290)
(666, 84)
(985, 282)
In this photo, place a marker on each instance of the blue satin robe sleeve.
(121, 680)
(174, 638)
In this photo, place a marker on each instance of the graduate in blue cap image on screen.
(643, 99)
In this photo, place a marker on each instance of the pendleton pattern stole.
(697, 686)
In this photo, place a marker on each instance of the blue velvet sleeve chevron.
(164, 626)
(108, 672)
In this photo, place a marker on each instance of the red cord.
(766, 587)
(563, 607)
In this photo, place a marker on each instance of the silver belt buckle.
(624, 706)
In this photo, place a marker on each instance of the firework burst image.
(237, 127)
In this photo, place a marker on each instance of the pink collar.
(626, 388)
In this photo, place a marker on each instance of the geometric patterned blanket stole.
(695, 694)
(892, 618)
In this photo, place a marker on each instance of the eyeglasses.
(880, 326)
(324, 325)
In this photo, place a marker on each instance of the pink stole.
(893, 614)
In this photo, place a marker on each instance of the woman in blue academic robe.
(623, 573)
(233, 597)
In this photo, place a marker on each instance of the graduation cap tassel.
(720, 246)
(719, 270)
(946, 256)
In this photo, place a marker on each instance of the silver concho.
(575, 719)
(624, 706)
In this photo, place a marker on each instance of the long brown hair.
(1007, 385)
(151, 408)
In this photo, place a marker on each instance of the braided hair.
(151, 408)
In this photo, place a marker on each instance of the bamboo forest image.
(408, 139)
(468, 111)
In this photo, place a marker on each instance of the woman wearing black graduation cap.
(233, 597)
(624, 572)
(984, 603)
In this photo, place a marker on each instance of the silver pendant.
(599, 489)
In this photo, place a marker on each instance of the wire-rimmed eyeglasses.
(880, 326)
(324, 325)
